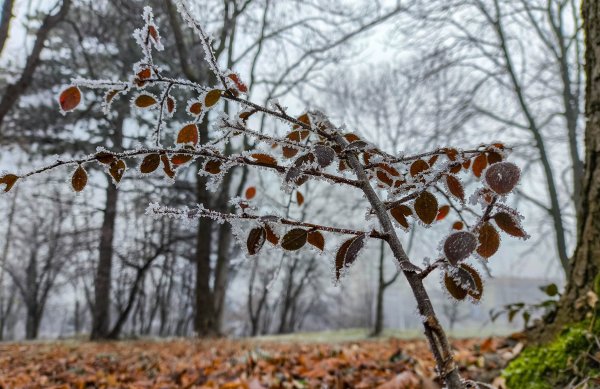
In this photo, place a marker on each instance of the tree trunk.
(585, 263)
(102, 281)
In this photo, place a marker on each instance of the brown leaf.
(509, 224)
(426, 207)
(299, 198)
(400, 213)
(443, 212)
(264, 159)
(271, 235)
(79, 179)
(502, 177)
(150, 163)
(195, 108)
(144, 74)
(418, 167)
(105, 158)
(167, 168)
(213, 166)
(489, 240)
(117, 169)
(455, 187)
(479, 164)
(347, 253)
(325, 155)
(180, 159)
(250, 192)
(145, 101)
(459, 246)
(188, 134)
(294, 239)
(69, 98)
(493, 157)
(9, 181)
(457, 225)
(170, 104)
(256, 239)
(316, 239)
(212, 98)
(455, 290)
(477, 291)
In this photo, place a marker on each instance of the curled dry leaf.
(294, 239)
(489, 240)
(69, 98)
(256, 239)
(477, 290)
(347, 253)
(459, 246)
(463, 281)
(316, 239)
(455, 290)
(150, 163)
(509, 224)
(9, 181)
(426, 207)
(79, 179)
(502, 177)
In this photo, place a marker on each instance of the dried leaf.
(325, 155)
(457, 225)
(455, 290)
(264, 159)
(347, 253)
(271, 235)
(443, 212)
(477, 290)
(489, 240)
(170, 104)
(418, 167)
(79, 179)
(459, 246)
(150, 163)
(250, 193)
(509, 224)
(9, 181)
(256, 239)
(145, 101)
(69, 98)
(400, 213)
(180, 159)
(117, 169)
(294, 239)
(299, 198)
(195, 108)
(105, 158)
(316, 239)
(455, 187)
(502, 177)
(479, 164)
(167, 168)
(212, 98)
(188, 135)
(213, 166)
(426, 207)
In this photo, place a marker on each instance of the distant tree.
(308, 152)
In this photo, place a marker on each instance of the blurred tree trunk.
(103, 278)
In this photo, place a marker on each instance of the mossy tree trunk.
(585, 263)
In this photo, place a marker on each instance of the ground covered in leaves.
(382, 363)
